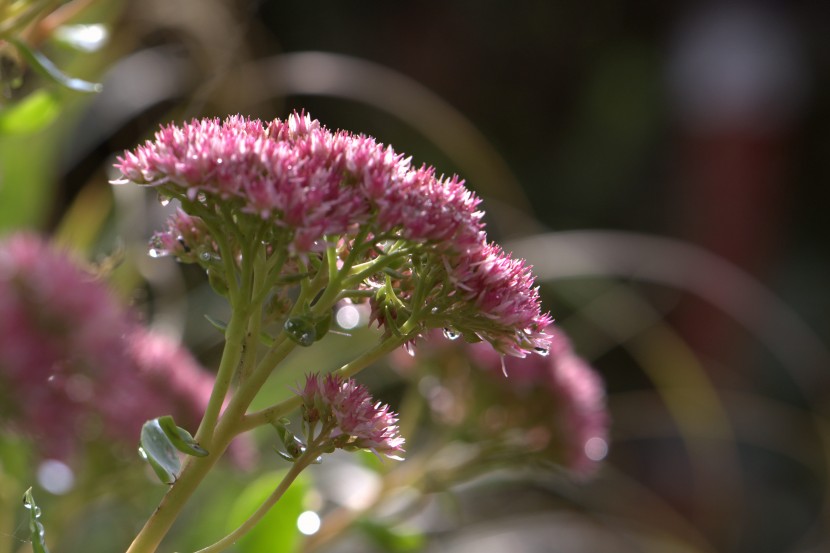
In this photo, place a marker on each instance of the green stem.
(299, 465)
(235, 341)
(273, 271)
(360, 272)
(220, 235)
(234, 338)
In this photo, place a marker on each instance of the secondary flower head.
(350, 417)
(548, 408)
(73, 365)
(300, 196)
(566, 415)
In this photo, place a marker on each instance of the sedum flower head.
(73, 365)
(349, 415)
(411, 241)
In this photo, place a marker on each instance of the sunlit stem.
(235, 339)
(308, 457)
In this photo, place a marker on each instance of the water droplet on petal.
(164, 200)
(142, 453)
(544, 352)
(155, 252)
(409, 348)
(33, 508)
(451, 334)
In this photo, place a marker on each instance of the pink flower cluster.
(73, 366)
(187, 238)
(311, 184)
(305, 178)
(502, 301)
(355, 420)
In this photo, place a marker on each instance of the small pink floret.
(367, 424)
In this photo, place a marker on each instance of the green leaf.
(45, 67)
(277, 531)
(220, 325)
(38, 534)
(157, 449)
(181, 438)
(30, 114)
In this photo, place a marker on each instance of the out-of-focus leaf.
(26, 165)
(157, 450)
(277, 531)
(15, 457)
(394, 540)
(38, 534)
(45, 67)
(31, 114)
(82, 222)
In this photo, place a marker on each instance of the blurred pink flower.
(73, 366)
(354, 419)
(549, 407)
(572, 396)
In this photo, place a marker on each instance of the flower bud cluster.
(346, 414)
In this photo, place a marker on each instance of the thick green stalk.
(234, 337)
